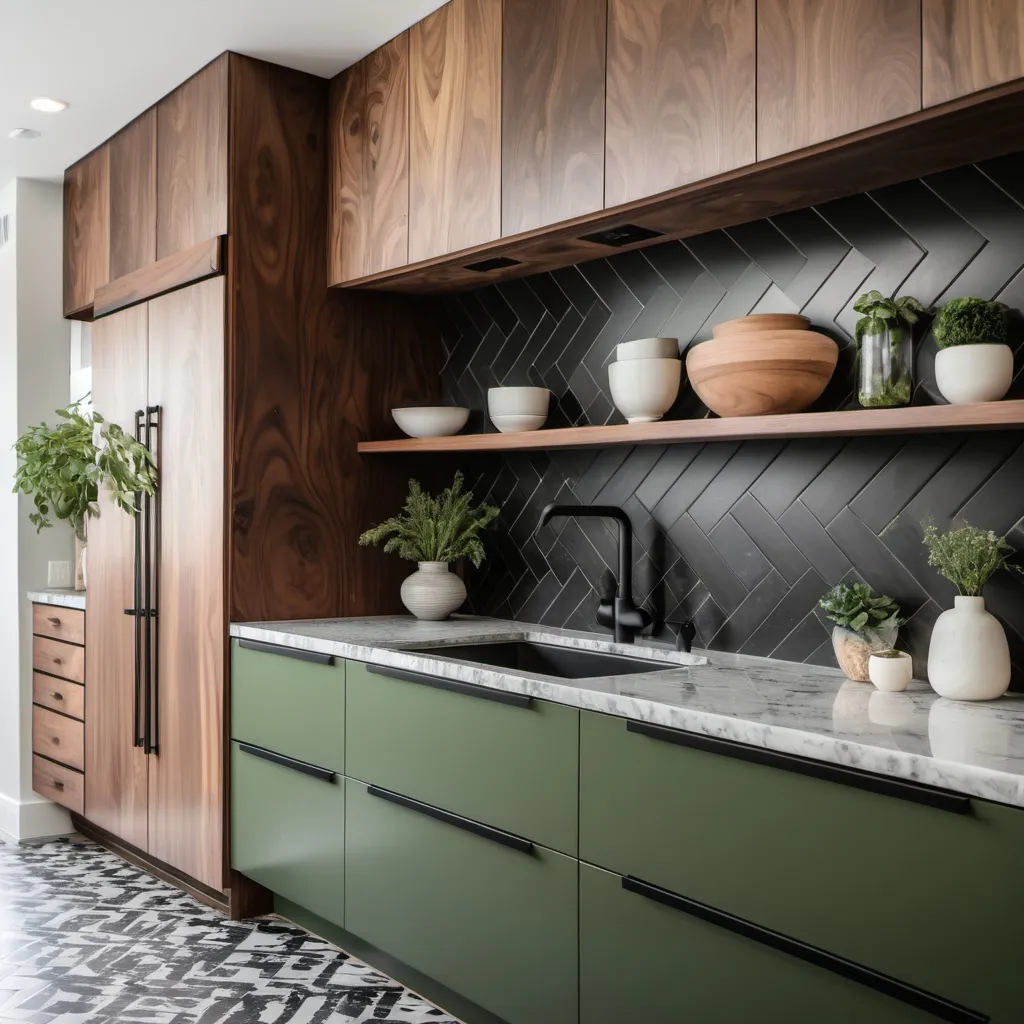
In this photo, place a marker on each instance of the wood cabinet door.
(117, 792)
(970, 45)
(186, 380)
(680, 93)
(192, 161)
(86, 232)
(552, 100)
(369, 180)
(455, 128)
(826, 69)
(133, 196)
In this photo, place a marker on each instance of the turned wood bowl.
(762, 373)
(762, 322)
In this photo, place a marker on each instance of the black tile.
(537, 604)
(844, 477)
(803, 641)
(630, 474)
(701, 556)
(770, 538)
(568, 599)
(734, 480)
(708, 463)
(668, 469)
(799, 463)
(741, 554)
(999, 503)
(758, 605)
(770, 250)
(791, 610)
(814, 543)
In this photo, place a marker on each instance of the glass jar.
(885, 364)
(853, 648)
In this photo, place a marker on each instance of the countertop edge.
(59, 598)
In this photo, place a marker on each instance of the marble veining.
(977, 749)
(65, 598)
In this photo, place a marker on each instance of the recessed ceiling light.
(23, 133)
(48, 105)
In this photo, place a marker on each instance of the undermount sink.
(547, 659)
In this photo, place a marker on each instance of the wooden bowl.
(762, 373)
(762, 322)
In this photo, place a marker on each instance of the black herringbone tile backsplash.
(743, 538)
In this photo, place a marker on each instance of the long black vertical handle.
(153, 618)
(147, 588)
(137, 610)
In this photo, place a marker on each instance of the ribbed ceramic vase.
(432, 592)
(968, 657)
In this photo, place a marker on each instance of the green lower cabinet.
(497, 925)
(288, 832)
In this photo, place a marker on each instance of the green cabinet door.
(288, 832)
(497, 925)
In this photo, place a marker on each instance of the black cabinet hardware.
(923, 1000)
(324, 774)
(916, 792)
(287, 652)
(151, 527)
(138, 611)
(519, 700)
(495, 835)
(54, 621)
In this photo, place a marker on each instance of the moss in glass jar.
(885, 349)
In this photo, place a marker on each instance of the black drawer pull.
(916, 792)
(57, 784)
(519, 700)
(56, 696)
(287, 652)
(496, 835)
(324, 774)
(923, 1000)
(54, 620)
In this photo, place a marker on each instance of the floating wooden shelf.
(919, 419)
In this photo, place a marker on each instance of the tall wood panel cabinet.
(86, 232)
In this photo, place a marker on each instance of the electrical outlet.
(58, 574)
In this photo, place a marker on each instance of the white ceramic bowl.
(647, 348)
(974, 373)
(431, 420)
(643, 390)
(513, 424)
(518, 402)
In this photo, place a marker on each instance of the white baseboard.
(35, 818)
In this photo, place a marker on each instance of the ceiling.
(111, 59)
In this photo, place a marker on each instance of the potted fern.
(885, 351)
(435, 532)
(974, 363)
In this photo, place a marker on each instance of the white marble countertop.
(65, 598)
(977, 749)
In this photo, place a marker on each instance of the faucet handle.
(686, 632)
(608, 586)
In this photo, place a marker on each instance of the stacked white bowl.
(645, 378)
(516, 409)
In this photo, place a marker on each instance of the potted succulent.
(890, 670)
(974, 363)
(885, 349)
(968, 656)
(864, 622)
(434, 532)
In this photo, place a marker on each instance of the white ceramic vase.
(891, 674)
(968, 657)
(974, 373)
(433, 592)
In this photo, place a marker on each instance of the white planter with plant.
(968, 656)
(890, 670)
(974, 363)
(864, 622)
(435, 532)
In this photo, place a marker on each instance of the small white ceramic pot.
(974, 373)
(432, 592)
(968, 656)
(431, 420)
(891, 674)
(647, 348)
(643, 390)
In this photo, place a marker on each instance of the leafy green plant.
(856, 606)
(881, 314)
(63, 467)
(968, 557)
(972, 322)
(885, 394)
(889, 653)
(430, 529)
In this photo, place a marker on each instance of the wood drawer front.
(62, 785)
(58, 738)
(797, 854)
(66, 624)
(58, 695)
(58, 659)
(514, 767)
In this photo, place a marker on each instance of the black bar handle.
(146, 605)
(137, 611)
(287, 652)
(153, 605)
(324, 774)
(868, 976)
(495, 835)
(901, 789)
(519, 700)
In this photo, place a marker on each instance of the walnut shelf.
(913, 420)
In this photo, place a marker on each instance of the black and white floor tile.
(86, 938)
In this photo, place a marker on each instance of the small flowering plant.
(968, 557)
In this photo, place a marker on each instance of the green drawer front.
(291, 706)
(496, 925)
(288, 833)
(642, 961)
(515, 768)
(928, 896)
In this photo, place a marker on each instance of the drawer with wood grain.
(67, 624)
(61, 785)
(58, 737)
(58, 659)
(58, 695)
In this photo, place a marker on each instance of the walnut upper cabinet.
(86, 232)
(970, 45)
(826, 69)
(552, 97)
(455, 128)
(133, 196)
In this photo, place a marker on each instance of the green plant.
(433, 529)
(968, 557)
(880, 313)
(63, 467)
(889, 653)
(972, 322)
(856, 606)
(886, 393)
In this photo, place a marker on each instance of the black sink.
(546, 659)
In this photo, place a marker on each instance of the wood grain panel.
(825, 69)
(455, 128)
(133, 196)
(86, 232)
(58, 658)
(67, 624)
(192, 161)
(117, 796)
(61, 785)
(58, 695)
(552, 100)
(970, 45)
(58, 737)
(680, 93)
